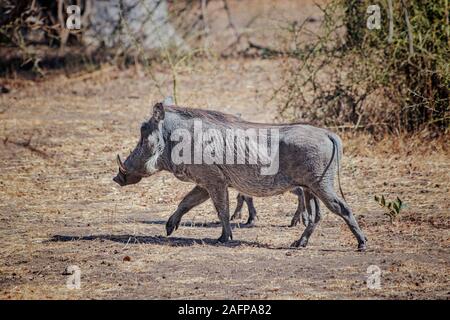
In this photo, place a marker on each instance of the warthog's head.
(142, 161)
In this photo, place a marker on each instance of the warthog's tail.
(337, 149)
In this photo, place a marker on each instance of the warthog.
(306, 214)
(308, 157)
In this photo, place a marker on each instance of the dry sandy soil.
(59, 206)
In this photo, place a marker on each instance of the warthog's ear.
(158, 112)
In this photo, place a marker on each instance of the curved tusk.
(121, 165)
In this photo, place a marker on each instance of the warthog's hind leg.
(301, 211)
(195, 197)
(313, 209)
(251, 212)
(238, 211)
(251, 209)
(339, 207)
(219, 196)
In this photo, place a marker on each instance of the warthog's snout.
(124, 177)
(125, 180)
(119, 179)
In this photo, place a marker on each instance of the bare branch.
(409, 27)
(391, 21)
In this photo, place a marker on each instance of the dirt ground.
(59, 206)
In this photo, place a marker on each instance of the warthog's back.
(304, 152)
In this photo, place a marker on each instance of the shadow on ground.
(199, 224)
(159, 240)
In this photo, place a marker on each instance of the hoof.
(293, 223)
(362, 247)
(223, 239)
(249, 224)
(169, 230)
(299, 243)
(295, 244)
(171, 227)
(235, 216)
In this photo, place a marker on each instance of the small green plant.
(392, 208)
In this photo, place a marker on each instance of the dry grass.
(81, 123)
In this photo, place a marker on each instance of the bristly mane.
(220, 117)
(192, 113)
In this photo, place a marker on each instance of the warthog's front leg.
(219, 196)
(196, 196)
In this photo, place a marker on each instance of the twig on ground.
(27, 144)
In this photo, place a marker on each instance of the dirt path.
(59, 207)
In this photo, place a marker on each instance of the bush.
(353, 77)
